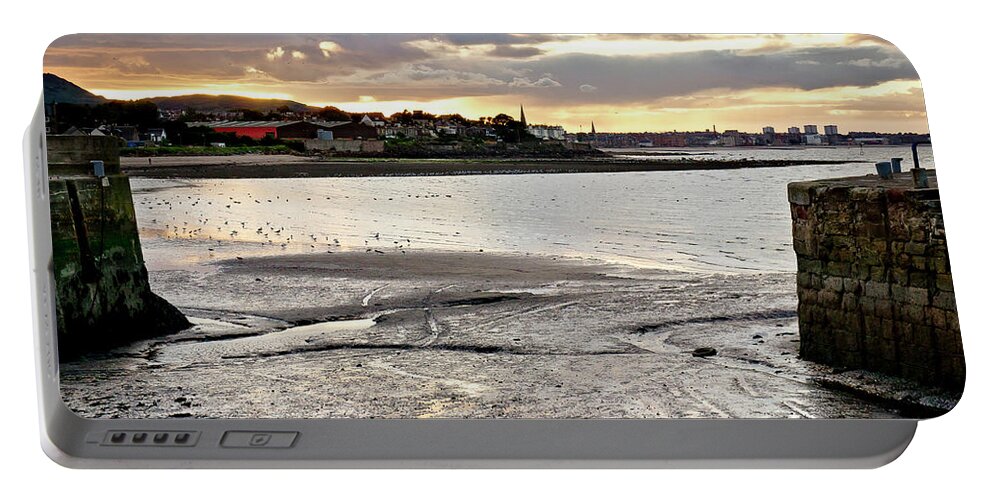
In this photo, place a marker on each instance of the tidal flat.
(463, 335)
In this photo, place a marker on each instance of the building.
(830, 130)
(345, 130)
(373, 120)
(263, 129)
(157, 135)
(810, 129)
(768, 130)
(83, 131)
(793, 130)
(732, 138)
(398, 131)
(546, 132)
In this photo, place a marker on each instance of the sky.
(621, 82)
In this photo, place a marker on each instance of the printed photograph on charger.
(496, 226)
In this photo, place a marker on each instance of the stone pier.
(873, 278)
(102, 292)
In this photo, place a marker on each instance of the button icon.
(251, 439)
(260, 439)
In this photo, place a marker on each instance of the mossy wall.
(102, 293)
(873, 278)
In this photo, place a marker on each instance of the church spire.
(524, 122)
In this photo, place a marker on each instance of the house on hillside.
(83, 131)
(156, 135)
(373, 120)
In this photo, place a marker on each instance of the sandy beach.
(463, 335)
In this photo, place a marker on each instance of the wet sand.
(463, 335)
(290, 166)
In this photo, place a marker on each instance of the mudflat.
(463, 335)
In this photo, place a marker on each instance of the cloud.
(633, 79)
(422, 74)
(541, 82)
(328, 47)
(515, 51)
(274, 54)
(419, 67)
(865, 62)
(672, 37)
(860, 39)
(471, 39)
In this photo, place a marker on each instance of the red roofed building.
(262, 129)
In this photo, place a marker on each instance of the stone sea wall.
(102, 292)
(873, 278)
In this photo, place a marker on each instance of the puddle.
(327, 327)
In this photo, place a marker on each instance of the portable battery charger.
(486, 250)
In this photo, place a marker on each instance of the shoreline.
(288, 166)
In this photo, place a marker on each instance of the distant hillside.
(63, 91)
(60, 90)
(217, 103)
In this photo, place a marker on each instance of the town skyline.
(623, 83)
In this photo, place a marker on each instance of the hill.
(216, 103)
(60, 90)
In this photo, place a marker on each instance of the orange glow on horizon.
(448, 77)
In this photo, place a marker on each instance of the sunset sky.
(625, 83)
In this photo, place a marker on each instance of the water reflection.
(710, 221)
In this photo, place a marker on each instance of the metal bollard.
(884, 169)
(896, 164)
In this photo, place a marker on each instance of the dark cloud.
(620, 79)
(515, 51)
(423, 67)
(471, 39)
(674, 37)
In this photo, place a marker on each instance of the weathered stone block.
(944, 300)
(883, 309)
(798, 195)
(936, 318)
(918, 279)
(877, 289)
(879, 273)
(834, 284)
(914, 248)
(900, 277)
(943, 282)
(917, 296)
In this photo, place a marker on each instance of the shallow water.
(733, 221)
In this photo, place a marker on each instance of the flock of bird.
(266, 233)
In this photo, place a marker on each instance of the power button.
(258, 439)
